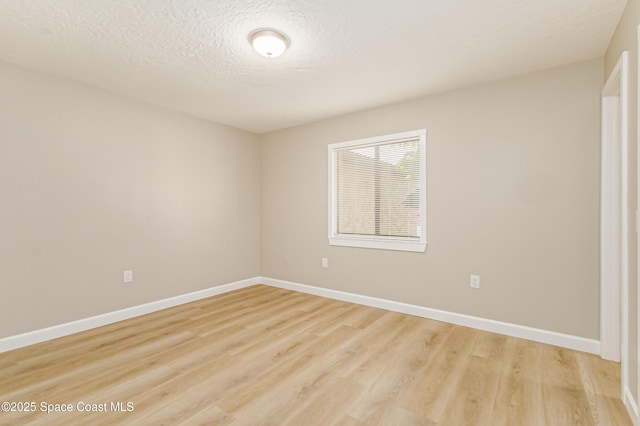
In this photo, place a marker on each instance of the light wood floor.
(262, 355)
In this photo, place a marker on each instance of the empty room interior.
(319, 212)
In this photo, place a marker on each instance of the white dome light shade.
(269, 43)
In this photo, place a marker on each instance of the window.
(377, 192)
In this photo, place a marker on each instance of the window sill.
(379, 243)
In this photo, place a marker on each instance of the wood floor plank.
(519, 398)
(321, 408)
(267, 356)
(565, 398)
(441, 376)
(392, 375)
(473, 404)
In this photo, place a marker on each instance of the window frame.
(377, 241)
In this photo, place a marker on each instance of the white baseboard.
(523, 332)
(631, 405)
(538, 335)
(49, 333)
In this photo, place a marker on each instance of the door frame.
(614, 220)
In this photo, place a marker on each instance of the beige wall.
(626, 38)
(91, 185)
(513, 195)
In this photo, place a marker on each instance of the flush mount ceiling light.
(268, 42)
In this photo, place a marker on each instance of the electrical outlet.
(128, 277)
(325, 262)
(474, 282)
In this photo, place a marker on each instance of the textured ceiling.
(345, 55)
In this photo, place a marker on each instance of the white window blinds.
(378, 189)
